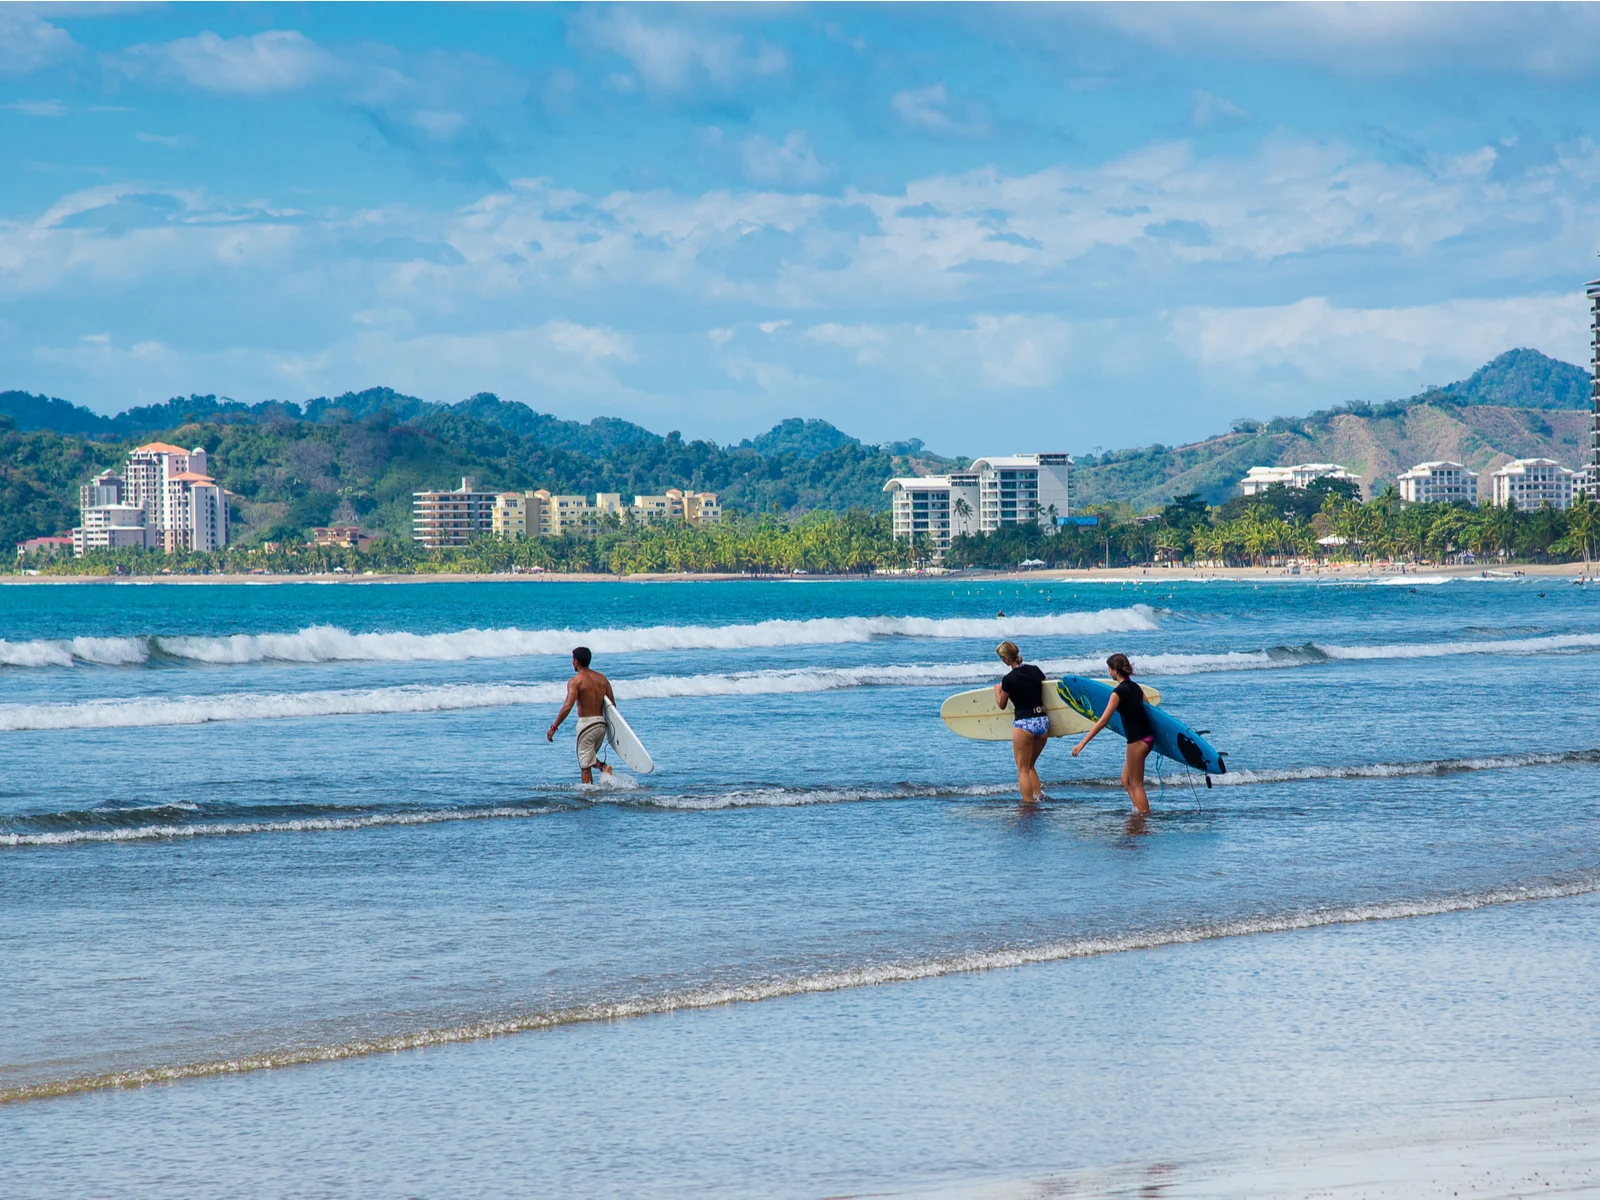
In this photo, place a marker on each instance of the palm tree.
(1583, 522)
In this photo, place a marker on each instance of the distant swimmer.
(1023, 689)
(1128, 699)
(589, 690)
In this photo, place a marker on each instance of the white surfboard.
(622, 739)
(973, 714)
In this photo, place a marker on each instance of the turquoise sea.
(296, 900)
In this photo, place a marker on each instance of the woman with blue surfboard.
(1127, 700)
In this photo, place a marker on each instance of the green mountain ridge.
(1521, 404)
(360, 455)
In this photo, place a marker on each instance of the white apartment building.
(1259, 479)
(1590, 482)
(1532, 483)
(1020, 489)
(106, 523)
(1023, 489)
(451, 518)
(163, 499)
(1439, 483)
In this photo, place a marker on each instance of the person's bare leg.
(1022, 751)
(1039, 743)
(586, 774)
(1133, 776)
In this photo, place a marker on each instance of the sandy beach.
(1493, 1150)
(1352, 572)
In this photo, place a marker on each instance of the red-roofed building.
(45, 545)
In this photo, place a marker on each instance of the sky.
(995, 228)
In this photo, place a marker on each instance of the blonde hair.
(1008, 652)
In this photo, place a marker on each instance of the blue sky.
(995, 228)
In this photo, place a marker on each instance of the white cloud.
(440, 126)
(279, 60)
(1211, 111)
(28, 44)
(176, 141)
(1361, 38)
(1326, 342)
(865, 340)
(927, 109)
(790, 164)
(594, 344)
(1262, 281)
(676, 59)
(38, 108)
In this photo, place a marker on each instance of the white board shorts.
(591, 736)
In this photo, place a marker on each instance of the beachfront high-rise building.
(1023, 489)
(1532, 483)
(1259, 479)
(1591, 474)
(164, 499)
(1439, 483)
(1019, 489)
(451, 518)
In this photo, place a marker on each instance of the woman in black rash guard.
(1023, 689)
(1128, 699)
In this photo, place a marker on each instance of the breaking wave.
(1396, 770)
(426, 698)
(328, 643)
(150, 833)
(111, 652)
(164, 821)
(92, 826)
(869, 975)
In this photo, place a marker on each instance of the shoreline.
(1342, 572)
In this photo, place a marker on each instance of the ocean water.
(292, 868)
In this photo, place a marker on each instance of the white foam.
(1394, 770)
(866, 975)
(419, 698)
(328, 643)
(149, 833)
(1554, 643)
(116, 652)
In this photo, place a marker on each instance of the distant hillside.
(1523, 379)
(1521, 405)
(359, 457)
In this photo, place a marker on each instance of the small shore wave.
(755, 991)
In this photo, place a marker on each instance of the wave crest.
(329, 643)
(866, 975)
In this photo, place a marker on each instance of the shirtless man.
(589, 690)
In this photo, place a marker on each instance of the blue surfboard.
(1173, 739)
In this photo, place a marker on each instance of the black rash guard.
(1025, 686)
(1130, 707)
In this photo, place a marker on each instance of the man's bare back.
(587, 690)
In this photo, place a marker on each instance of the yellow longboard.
(973, 714)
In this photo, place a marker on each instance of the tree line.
(1324, 522)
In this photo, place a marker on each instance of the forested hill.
(360, 456)
(1521, 405)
